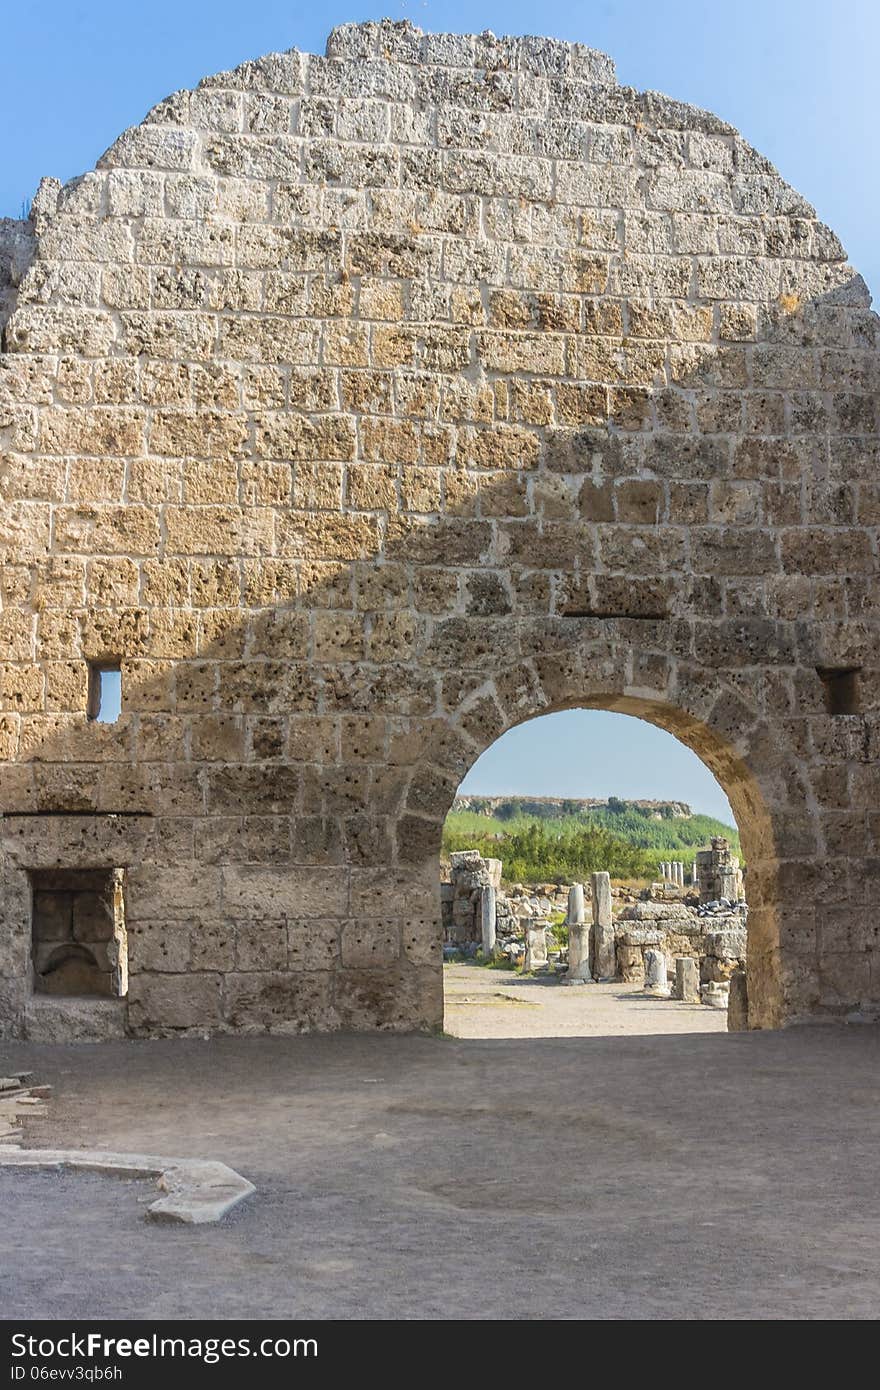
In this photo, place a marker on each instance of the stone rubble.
(638, 939)
(20, 1102)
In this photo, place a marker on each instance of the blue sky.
(587, 752)
(798, 79)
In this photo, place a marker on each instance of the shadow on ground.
(694, 1176)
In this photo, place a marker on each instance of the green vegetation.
(626, 840)
(558, 931)
(539, 851)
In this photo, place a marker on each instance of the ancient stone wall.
(16, 252)
(363, 406)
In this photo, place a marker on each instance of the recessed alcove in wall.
(841, 686)
(78, 937)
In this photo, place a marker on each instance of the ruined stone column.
(578, 972)
(536, 945)
(687, 980)
(603, 962)
(576, 910)
(655, 973)
(488, 920)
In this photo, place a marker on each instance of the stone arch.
(763, 797)
(348, 387)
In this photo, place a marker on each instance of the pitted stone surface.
(365, 405)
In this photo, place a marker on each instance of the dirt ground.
(659, 1175)
(491, 1003)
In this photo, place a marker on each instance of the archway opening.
(592, 883)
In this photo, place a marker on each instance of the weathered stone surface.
(487, 920)
(160, 1003)
(535, 957)
(630, 964)
(738, 1003)
(49, 1020)
(655, 973)
(603, 960)
(363, 406)
(576, 910)
(579, 971)
(687, 980)
(197, 1191)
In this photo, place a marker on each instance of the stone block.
(536, 947)
(164, 1004)
(687, 980)
(397, 1000)
(48, 1020)
(261, 946)
(253, 891)
(159, 946)
(630, 964)
(53, 916)
(738, 1003)
(278, 1002)
(93, 916)
(369, 946)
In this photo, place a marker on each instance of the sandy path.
(485, 1003)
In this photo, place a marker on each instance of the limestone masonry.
(359, 407)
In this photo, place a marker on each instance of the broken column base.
(578, 972)
(603, 959)
(715, 994)
(535, 959)
(656, 979)
(630, 964)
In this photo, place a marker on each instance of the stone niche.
(78, 933)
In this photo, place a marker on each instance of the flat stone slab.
(197, 1190)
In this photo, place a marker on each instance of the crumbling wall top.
(403, 42)
(17, 243)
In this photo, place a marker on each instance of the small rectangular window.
(841, 689)
(105, 692)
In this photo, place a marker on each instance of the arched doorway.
(585, 846)
(716, 722)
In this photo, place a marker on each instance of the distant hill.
(544, 807)
(529, 832)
